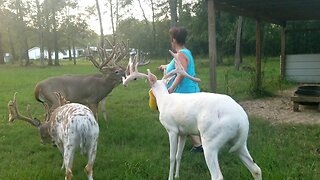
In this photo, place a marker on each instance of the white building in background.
(7, 57)
(78, 53)
(34, 53)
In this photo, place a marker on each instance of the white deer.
(217, 118)
(70, 126)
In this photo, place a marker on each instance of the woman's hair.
(179, 34)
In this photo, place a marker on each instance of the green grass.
(133, 144)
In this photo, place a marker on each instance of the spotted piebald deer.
(69, 126)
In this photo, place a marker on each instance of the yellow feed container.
(152, 101)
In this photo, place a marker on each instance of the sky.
(105, 12)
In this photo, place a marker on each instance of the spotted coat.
(71, 126)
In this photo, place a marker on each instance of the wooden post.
(237, 54)
(212, 45)
(1, 51)
(283, 52)
(258, 55)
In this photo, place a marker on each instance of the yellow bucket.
(152, 101)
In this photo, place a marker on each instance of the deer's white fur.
(217, 118)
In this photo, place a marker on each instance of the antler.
(14, 113)
(119, 51)
(141, 58)
(179, 69)
(132, 70)
(62, 100)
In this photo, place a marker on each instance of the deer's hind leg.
(68, 160)
(249, 163)
(211, 157)
(91, 158)
(212, 141)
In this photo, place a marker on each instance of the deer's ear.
(152, 78)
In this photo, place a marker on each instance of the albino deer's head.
(132, 73)
(44, 128)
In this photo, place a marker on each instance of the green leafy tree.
(21, 11)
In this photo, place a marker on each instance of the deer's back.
(83, 89)
(74, 122)
(187, 111)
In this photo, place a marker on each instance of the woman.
(179, 84)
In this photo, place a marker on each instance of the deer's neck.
(161, 93)
(110, 80)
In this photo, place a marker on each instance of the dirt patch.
(279, 109)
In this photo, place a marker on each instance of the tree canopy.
(59, 25)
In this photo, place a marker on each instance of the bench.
(304, 99)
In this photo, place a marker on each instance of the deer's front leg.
(94, 109)
(60, 147)
(173, 139)
(103, 108)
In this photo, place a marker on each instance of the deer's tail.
(37, 94)
(83, 139)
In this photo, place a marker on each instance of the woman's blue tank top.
(186, 85)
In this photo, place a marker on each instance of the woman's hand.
(170, 90)
(162, 67)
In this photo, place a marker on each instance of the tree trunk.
(48, 35)
(258, 55)
(55, 39)
(238, 57)
(1, 51)
(41, 38)
(42, 48)
(26, 50)
(143, 13)
(13, 52)
(74, 54)
(50, 56)
(173, 12)
(112, 22)
(212, 45)
(283, 52)
(22, 29)
(180, 8)
(153, 26)
(69, 50)
(100, 22)
(117, 13)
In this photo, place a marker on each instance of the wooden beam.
(258, 55)
(252, 13)
(212, 45)
(302, 30)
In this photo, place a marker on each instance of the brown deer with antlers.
(87, 89)
(69, 126)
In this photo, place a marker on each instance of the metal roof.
(273, 11)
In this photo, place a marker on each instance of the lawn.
(133, 144)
